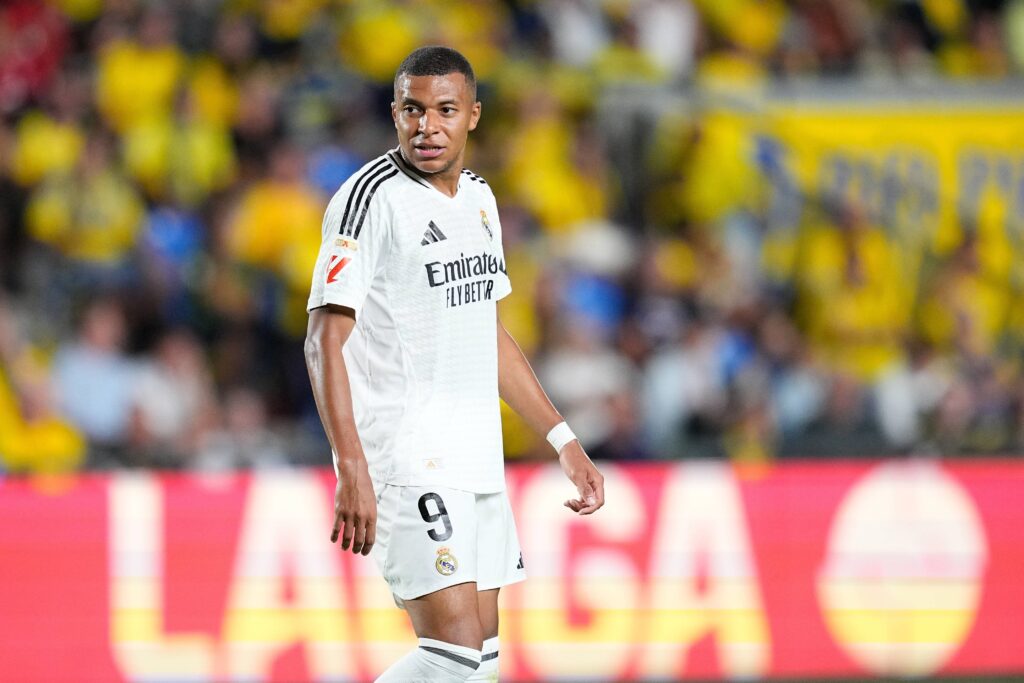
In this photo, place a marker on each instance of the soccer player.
(407, 358)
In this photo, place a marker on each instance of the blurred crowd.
(164, 167)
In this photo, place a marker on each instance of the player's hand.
(582, 472)
(355, 508)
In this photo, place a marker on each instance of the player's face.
(433, 116)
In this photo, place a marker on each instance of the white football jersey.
(423, 272)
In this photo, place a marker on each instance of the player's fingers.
(594, 500)
(371, 537)
(347, 533)
(573, 505)
(336, 529)
(587, 493)
(358, 536)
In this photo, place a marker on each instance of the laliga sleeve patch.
(334, 266)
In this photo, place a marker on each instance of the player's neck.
(447, 181)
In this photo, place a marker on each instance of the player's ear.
(474, 115)
(394, 113)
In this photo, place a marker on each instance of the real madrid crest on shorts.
(446, 564)
(486, 223)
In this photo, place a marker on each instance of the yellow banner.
(925, 172)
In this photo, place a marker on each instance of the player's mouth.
(426, 151)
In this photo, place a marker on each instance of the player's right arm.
(355, 235)
(355, 506)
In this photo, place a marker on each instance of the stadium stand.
(685, 287)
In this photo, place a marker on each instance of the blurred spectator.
(50, 141)
(684, 392)
(667, 31)
(909, 393)
(798, 387)
(33, 38)
(856, 312)
(137, 78)
(96, 383)
(966, 308)
(245, 438)
(174, 400)
(624, 59)
(91, 216)
(33, 438)
(182, 159)
(284, 21)
(171, 256)
(583, 377)
(276, 228)
(258, 126)
(578, 28)
(546, 176)
(823, 36)
(360, 45)
(625, 439)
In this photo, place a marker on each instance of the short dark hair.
(436, 60)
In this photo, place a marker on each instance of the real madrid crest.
(486, 223)
(446, 564)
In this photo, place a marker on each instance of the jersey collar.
(398, 160)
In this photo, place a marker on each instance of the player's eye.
(447, 110)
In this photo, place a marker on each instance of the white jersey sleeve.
(355, 234)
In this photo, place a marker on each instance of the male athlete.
(407, 358)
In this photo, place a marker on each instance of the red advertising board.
(692, 570)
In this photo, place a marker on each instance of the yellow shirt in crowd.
(135, 83)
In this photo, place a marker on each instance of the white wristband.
(560, 435)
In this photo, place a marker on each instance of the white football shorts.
(429, 538)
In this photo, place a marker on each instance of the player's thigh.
(487, 607)
(450, 614)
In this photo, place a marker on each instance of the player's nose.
(428, 123)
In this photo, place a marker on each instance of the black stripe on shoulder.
(346, 225)
(366, 206)
(355, 187)
(474, 176)
(398, 160)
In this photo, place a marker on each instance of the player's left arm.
(519, 387)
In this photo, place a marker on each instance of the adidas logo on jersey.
(433, 234)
